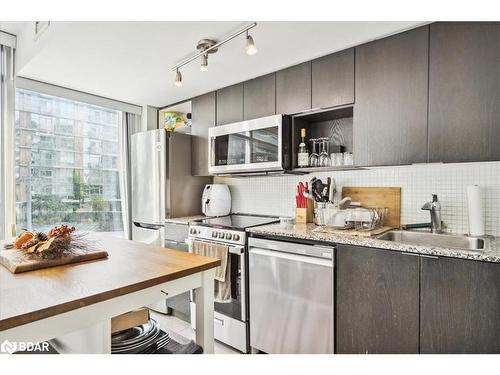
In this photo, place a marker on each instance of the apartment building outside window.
(67, 163)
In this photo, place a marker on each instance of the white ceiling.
(131, 61)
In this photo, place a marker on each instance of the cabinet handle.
(429, 256)
(421, 255)
(412, 254)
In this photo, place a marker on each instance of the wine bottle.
(303, 154)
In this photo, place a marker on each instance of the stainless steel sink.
(437, 240)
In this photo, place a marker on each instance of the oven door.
(237, 308)
(247, 146)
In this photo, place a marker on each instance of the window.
(66, 163)
(65, 143)
(45, 172)
(67, 159)
(45, 141)
(65, 126)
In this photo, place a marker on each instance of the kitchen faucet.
(435, 209)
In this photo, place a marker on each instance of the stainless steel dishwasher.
(291, 297)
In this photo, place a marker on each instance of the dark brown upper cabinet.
(460, 306)
(464, 91)
(203, 117)
(333, 79)
(293, 89)
(390, 116)
(259, 97)
(230, 104)
(377, 301)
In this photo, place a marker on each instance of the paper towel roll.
(475, 210)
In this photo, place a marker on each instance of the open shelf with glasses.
(336, 124)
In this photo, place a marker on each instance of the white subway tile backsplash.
(276, 195)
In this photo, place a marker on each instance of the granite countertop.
(305, 232)
(184, 220)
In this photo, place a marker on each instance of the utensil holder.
(304, 215)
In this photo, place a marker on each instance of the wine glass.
(324, 158)
(313, 158)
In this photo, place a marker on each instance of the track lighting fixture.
(207, 46)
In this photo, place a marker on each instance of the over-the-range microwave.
(252, 146)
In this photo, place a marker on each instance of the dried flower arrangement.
(58, 242)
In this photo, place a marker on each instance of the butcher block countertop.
(131, 266)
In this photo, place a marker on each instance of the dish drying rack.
(358, 219)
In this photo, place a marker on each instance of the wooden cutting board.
(373, 197)
(16, 263)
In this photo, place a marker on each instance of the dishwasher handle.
(292, 257)
(317, 251)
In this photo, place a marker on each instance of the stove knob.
(214, 234)
(221, 235)
(192, 231)
(229, 236)
(236, 237)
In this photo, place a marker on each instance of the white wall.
(149, 118)
(275, 195)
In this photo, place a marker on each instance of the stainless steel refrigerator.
(162, 188)
(162, 185)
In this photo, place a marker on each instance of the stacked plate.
(137, 339)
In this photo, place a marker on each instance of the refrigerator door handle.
(148, 226)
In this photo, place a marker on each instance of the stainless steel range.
(230, 319)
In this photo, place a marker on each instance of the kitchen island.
(72, 305)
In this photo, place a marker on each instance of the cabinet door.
(333, 79)
(464, 91)
(230, 104)
(460, 306)
(293, 89)
(390, 118)
(377, 301)
(259, 97)
(203, 117)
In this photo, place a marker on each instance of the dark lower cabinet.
(460, 306)
(377, 301)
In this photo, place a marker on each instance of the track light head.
(178, 78)
(250, 47)
(204, 63)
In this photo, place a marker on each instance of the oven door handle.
(233, 249)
